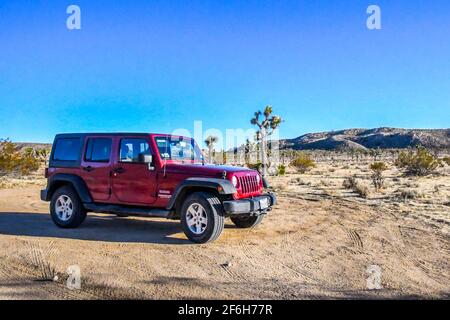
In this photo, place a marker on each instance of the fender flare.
(221, 186)
(78, 184)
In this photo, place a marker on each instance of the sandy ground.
(319, 242)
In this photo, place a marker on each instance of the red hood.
(207, 169)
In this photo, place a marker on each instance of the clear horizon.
(159, 66)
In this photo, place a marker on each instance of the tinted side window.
(131, 148)
(67, 149)
(98, 150)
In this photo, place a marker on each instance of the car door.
(96, 167)
(134, 182)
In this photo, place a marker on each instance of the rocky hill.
(384, 138)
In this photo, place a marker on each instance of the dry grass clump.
(356, 186)
(298, 181)
(362, 189)
(349, 182)
(446, 160)
(409, 194)
(377, 174)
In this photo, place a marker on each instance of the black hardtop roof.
(114, 134)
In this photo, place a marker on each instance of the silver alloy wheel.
(196, 218)
(64, 207)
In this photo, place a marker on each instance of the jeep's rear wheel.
(247, 221)
(66, 208)
(202, 217)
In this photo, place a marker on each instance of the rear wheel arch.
(75, 182)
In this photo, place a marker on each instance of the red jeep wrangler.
(153, 175)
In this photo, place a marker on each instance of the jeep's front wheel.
(202, 217)
(247, 222)
(66, 208)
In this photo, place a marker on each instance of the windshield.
(178, 148)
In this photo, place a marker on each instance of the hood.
(207, 169)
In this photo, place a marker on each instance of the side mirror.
(148, 159)
(145, 158)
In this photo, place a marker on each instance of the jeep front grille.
(248, 184)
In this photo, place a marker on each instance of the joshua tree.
(210, 142)
(266, 127)
(247, 150)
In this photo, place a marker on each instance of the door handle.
(88, 168)
(119, 170)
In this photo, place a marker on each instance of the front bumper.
(253, 206)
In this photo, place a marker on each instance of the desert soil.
(319, 242)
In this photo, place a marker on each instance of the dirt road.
(316, 248)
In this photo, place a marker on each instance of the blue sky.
(156, 66)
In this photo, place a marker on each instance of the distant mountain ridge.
(384, 138)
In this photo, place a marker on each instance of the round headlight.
(234, 181)
(258, 178)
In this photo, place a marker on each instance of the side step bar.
(129, 211)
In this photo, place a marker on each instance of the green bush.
(9, 156)
(303, 163)
(29, 162)
(11, 159)
(281, 170)
(419, 163)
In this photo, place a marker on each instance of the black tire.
(78, 211)
(247, 221)
(214, 213)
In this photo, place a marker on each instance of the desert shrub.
(281, 170)
(446, 160)
(377, 174)
(352, 184)
(419, 163)
(255, 166)
(361, 189)
(11, 159)
(29, 162)
(349, 182)
(303, 163)
(297, 181)
(408, 194)
(9, 156)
